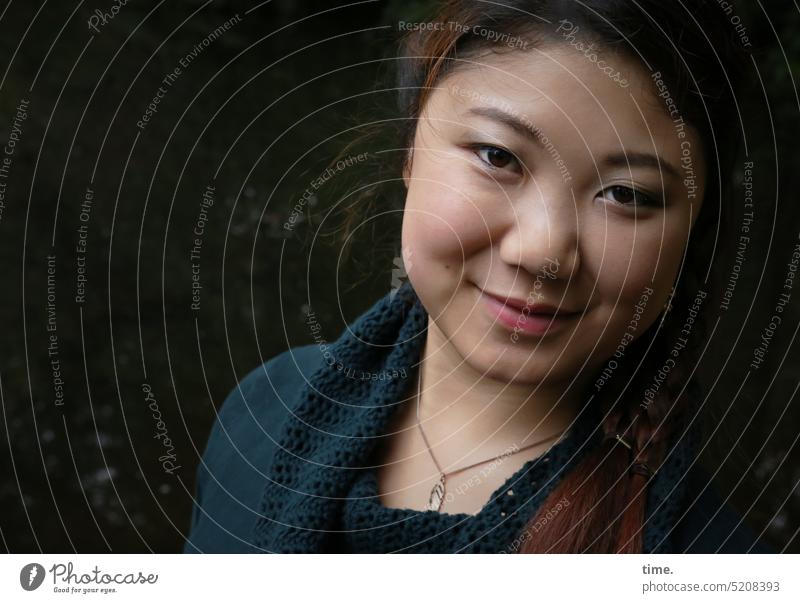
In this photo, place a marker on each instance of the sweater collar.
(331, 430)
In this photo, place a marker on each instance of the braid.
(613, 478)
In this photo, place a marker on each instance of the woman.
(528, 389)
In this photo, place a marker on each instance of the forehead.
(605, 100)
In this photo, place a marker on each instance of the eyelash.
(649, 199)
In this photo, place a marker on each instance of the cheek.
(627, 261)
(443, 222)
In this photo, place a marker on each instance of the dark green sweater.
(281, 470)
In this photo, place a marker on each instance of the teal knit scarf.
(333, 423)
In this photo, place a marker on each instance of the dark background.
(261, 111)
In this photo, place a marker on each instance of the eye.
(624, 195)
(496, 157)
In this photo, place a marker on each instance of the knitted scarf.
(333, 424)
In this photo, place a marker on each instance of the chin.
(520, 362)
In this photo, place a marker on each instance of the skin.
(470, 228)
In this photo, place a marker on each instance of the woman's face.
(537, 177)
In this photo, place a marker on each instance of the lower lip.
(518, 322)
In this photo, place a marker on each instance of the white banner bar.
(401, 578)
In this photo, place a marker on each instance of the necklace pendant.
(437, 495)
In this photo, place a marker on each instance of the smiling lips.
(519, 317)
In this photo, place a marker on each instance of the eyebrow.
(642, 160)
(510, 120)
(615, 160)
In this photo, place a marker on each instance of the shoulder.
(710, 525)
(268, 390)
(232, 470)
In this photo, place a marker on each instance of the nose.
(542, 234)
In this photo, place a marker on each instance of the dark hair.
(693, 50)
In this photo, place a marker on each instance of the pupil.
(497, 157)
(624, 194)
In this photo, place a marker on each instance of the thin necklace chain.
(444, 474)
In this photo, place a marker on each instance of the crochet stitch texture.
(331, 429)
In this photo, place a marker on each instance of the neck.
(467, 409)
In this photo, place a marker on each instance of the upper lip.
(521, 304)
